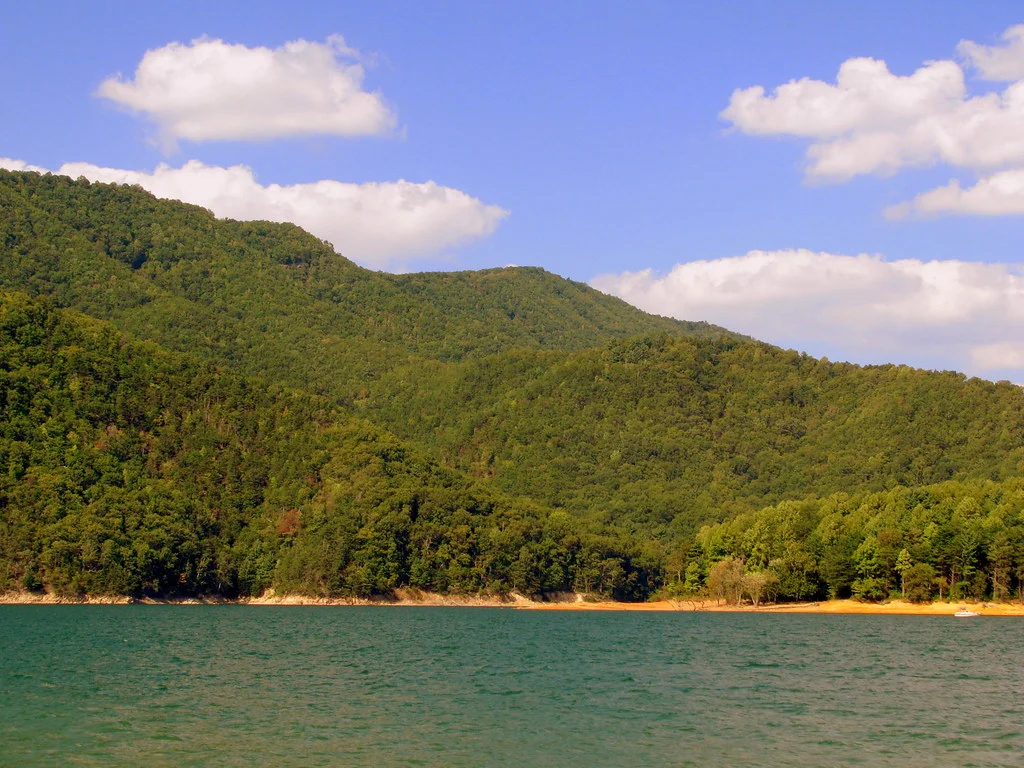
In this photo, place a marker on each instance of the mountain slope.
(666, 433)
(131, 470)
(275, 301)
(455, 431)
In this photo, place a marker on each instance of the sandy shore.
(896, 607)
(414, 598)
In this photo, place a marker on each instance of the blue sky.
(589, 139)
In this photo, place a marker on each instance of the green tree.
(903, 564)
(918, 582)
(725, 580)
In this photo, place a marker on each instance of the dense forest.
(132, 470)
(272, 300)
(203, 406)
(663, 434)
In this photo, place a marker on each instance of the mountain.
(493, 430)
(664, 433)
(274, 301)
(132, 470)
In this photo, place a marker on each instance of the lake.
(182, 686)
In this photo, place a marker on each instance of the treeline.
(131, 470)
(955, 540)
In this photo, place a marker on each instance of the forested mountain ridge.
(662, 434)
(275, 301)
(132, 470)
(320, 428)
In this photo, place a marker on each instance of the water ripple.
(230, 686)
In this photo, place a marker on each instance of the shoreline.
(413, 598)
(825, 607)
(403, 598)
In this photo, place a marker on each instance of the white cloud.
(993, 62)
(872, 121)
(864, 308)
(19, 165)
(211, 90)
(866, 96)
(1001, 194)
(377, 224)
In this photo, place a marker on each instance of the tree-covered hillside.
(131, 470)
(663, 433)
(274, 301)
(233, 406)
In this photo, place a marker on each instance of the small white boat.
(963, 613)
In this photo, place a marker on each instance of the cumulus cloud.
(946, 314)
(866, 96)
(19, 165)
(210, 90)
(377, 224)
(1001, 194)
(871, 121)
(997, 62)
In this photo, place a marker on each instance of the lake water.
(301, 686)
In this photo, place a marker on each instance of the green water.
(277, 686)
